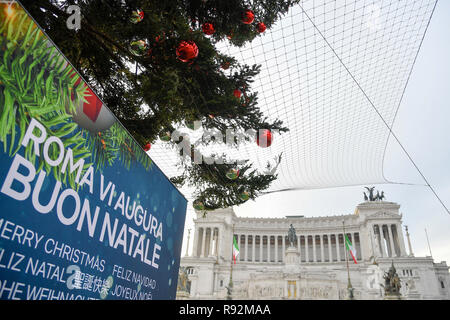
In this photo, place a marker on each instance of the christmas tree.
(155, 64)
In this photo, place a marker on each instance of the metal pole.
(409, 242)
(429, 247)
(230, 284)
(349, 286)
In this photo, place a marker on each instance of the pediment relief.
(383, 215)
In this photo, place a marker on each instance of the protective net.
(335, 73)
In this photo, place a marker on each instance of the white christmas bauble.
(92, 118)
(93, 115)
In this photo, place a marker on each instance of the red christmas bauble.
(147, 147)
(237, 93)
(261, 27)
(187, 51)
(248, 17)
(225, 65)
(208, 28)
(264, 138)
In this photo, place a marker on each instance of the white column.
(358, 252)
(322, 257)
(385, 242)
(268, 248)
(276, 248)
(314, 249)
(298, 245)
(194, 249)
(213, 242)
(253, 247)
(202, 252)
(217, 242)
(396, 240)
(378, 238)
(382, 246)
(338, 250)
(214, 246)
(330, 253)
(391, 241)
(307, 247)
(283, 240)
(373, 243)
(260, 248)
(211, 237)
(240, 247)
(246, 247)
(388, 241)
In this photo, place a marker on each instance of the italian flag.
(235, 250)
(350, 248)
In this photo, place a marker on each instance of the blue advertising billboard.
(84, 212)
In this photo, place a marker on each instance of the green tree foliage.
(153, 93)
(35, 82)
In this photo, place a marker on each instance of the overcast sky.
(422, 126)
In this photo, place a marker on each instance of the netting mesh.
(325, 66)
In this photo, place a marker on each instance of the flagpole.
(428, 241)
(349, 286)
(230, 284)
